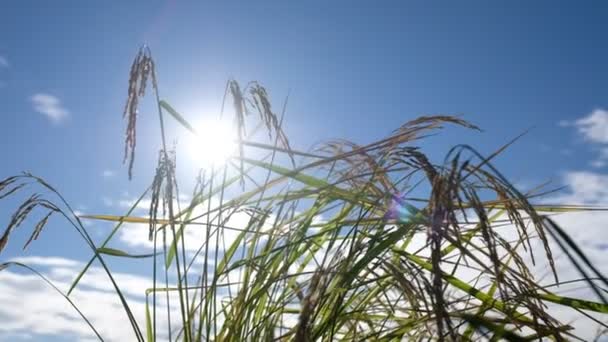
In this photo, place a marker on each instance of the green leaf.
(313, 182)
(119, 253)
(149, 327)
(177, 116)
(499, 330)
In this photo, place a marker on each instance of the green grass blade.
(149, 327)
(177, 116)
(120, 253)
(105, 242)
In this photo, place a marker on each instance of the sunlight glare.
(214, 144)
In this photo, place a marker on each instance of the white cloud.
(583, 187)
(108, 173)
(50, 106)
(143, 204)
(136, 235)
(47, 261)
(594, 127)
(32, 309)
(588, 230)
(3, 62)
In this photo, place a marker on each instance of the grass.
(344, 242)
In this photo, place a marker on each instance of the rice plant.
(340, 242)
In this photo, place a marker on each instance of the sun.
(213, 144)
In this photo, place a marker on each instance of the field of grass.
(343, 242)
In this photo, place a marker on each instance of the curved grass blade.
(105, 242)
(46, 280)
(119, 253)
(314, 182)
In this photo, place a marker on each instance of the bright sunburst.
(213, 144)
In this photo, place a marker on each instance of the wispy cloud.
(3, 62)
(594, 129)
(108, 173)
(50, 106)
(3, 65)
(143, 206)
(584, 188)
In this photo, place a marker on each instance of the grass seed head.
(141, 70)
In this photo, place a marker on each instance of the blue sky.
(353, 69)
